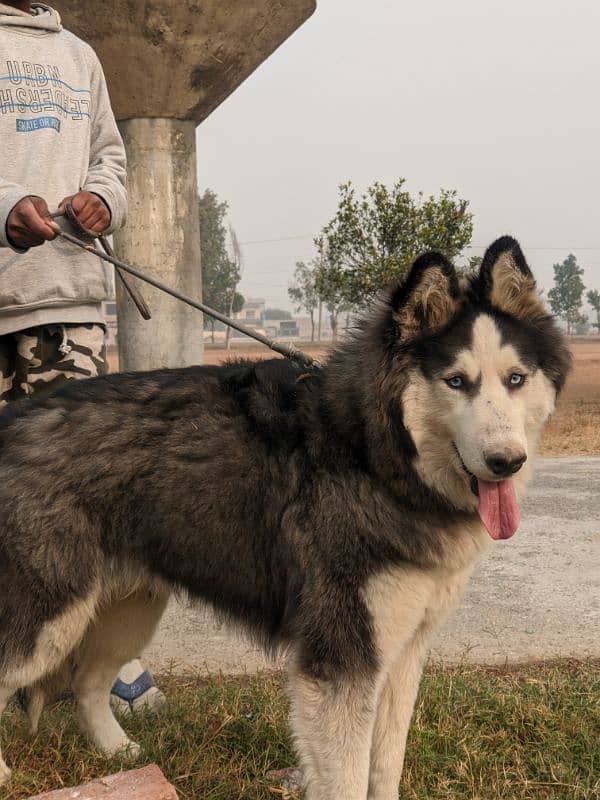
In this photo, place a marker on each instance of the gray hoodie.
(57, 135)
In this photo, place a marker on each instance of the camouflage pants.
(41, 359)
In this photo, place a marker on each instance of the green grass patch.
(526, 733)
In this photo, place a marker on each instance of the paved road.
(535, 596)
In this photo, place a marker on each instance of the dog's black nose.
(506, 463)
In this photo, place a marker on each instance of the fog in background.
(499, 101)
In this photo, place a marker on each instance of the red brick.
(141, 784)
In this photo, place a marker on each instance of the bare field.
(574, 428)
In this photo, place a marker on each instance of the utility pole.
(237, 257)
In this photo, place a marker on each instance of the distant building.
(288, 327)
(282, 328)
(252, 313)
(109, 312)
(305, 328)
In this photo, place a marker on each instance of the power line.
(527, 247)
(280, 239)
(468, 247)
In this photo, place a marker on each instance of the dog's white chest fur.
(409, 602)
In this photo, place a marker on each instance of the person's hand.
(29, 223)
(91, 211)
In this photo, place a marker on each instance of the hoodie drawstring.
(65, 348)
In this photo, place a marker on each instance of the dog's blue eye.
(456, 382)
(516, 379)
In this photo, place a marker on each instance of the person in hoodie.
(59, 142)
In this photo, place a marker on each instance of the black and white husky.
(337, 513)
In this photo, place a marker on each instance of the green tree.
(373, 238)
(220, 272)
(303, 292)
(332, 293)
(593, 298)
(277, 313)
(566, 296)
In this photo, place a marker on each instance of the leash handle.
(89, 236)
(134, 292)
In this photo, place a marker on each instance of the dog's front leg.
(332, 726)
(394, 712)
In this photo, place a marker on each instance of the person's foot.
(135, 689)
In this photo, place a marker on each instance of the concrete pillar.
(161, 237)
(167, 61)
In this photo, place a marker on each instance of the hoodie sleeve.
(108, 168)
(10, 195)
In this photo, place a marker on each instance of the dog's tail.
(51, 688)
(35, 706)
(32, 701)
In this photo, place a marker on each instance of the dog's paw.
(5, 773)
(125, 750)
(130, 751)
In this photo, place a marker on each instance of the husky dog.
(337, 512)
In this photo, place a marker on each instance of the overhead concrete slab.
(180, 59)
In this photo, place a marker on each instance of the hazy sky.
(497, 100)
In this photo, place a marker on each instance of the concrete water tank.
(168, 65)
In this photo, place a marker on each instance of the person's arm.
(107, 172)
(10, 195)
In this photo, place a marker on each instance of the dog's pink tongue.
(498, 508)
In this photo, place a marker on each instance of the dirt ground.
(574, 428)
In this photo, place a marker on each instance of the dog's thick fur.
(330, 512)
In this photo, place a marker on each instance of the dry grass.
(527, 733)
(575, 426)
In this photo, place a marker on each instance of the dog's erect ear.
(428, 298)
(506, 282)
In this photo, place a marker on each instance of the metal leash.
(88, 236)
(287, 350)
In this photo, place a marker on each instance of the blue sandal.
(131, 696)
